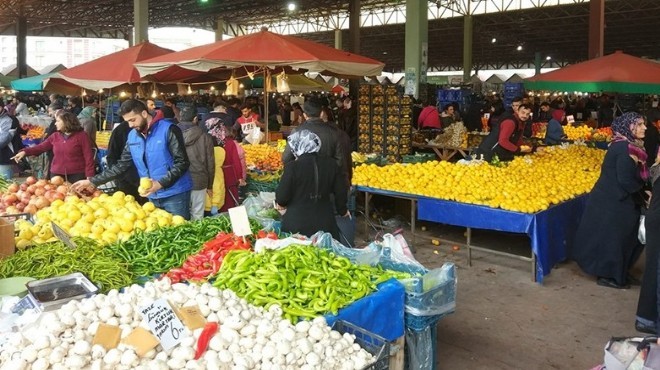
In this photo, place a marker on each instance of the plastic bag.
(261, 209)
(432, 294)
(395, 255)
(274, 244)
(364, 256)
(632, 353)
(420, 348)
(641, 232)
(254, 136)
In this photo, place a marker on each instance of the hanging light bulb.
(189, 90)
(122, 94)
(154, 94)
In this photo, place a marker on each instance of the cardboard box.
(7, 243)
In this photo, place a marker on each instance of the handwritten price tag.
(164, 323)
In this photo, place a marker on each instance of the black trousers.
(647, 305)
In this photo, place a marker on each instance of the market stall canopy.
(260, 49)
(110, 71)
(34, 83)
(52, 68)
(12, 71)
(618, 72)
(297, 83)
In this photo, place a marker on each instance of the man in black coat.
(130, 181)
(331, 145)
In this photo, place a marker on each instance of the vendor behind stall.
(555, 132)
(505, 138)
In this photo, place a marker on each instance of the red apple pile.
(33, 195)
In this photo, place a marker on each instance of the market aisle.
(505, 321)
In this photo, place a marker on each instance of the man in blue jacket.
(157, 149)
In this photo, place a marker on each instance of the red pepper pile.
(206, 263)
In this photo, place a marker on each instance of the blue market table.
(551, 231)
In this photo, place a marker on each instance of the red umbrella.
(616, 72)
(110, 71)
(261, 50)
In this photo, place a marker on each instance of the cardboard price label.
(142, 340)
(63, 236)
(164, 323)
(107, 336)
(240, 224)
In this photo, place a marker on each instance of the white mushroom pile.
(249, 337)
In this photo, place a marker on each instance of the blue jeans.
(178, 204)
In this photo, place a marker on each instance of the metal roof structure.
(554, 28)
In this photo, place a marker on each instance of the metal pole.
(266, 99)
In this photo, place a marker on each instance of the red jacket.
(71, 155)
(429, 117)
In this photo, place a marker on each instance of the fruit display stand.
(476, 194)
(444, 152)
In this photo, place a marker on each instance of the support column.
(338, 39)
(416, 49)
(537, 62)
(140, 21)
(219, 29)
(467, 46)
(21, 45)
(354, 32)
(596, 28)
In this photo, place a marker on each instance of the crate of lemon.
(107, 218)
(527, 184)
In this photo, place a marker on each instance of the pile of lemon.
(577, 133)
(528, 184)
(105, 219)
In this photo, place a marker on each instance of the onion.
(10, 199)
(23, 186)
(31, 209)
(39, 191)
(31, 188)
(31, 180)
(50, 195)
(19, 207)
(50, 187)
(41, 202)
(12, 210)
(41, 183)
(58, 195)
(13, 188)
(57, 180)
(25, 199)
(63, 189)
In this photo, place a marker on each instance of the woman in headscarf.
(606, 244)
(306, 186)
(86, 118)
(232, 168)
(555, 132)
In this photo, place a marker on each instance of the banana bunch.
(281, 144)
(264, 176)
(358, 157)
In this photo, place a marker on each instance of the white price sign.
(164, 323)
(240, 223)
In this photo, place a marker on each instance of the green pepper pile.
(56, 259)
(155, 252)
(305, 281)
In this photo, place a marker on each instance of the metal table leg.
(469, 246)
(366, 212)
(413, 216)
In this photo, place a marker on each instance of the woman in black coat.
(306, 186)
(647, 305)
(606, 243)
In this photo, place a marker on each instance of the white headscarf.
(304, 142)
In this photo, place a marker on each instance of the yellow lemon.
(101, 213)
(148, 207)
(112, 227)
(125, 225)
(119, 194)
(140, 225)
(177, 220)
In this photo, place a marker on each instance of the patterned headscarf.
(623, 132)
(217, 129)
(304, 142)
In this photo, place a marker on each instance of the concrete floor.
(503, 320)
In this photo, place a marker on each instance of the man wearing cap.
(330, 143)
(218, 115)
(199, 147)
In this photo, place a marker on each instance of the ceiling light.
(494, 40)
(291, 7)
(548, 57)
(519, 48)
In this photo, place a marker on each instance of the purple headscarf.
(623, 132)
